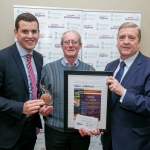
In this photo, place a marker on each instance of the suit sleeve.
(137, 97)
(7, 106)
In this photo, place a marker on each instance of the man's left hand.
(46, 110)
(84, 132)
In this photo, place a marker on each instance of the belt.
(29, 119)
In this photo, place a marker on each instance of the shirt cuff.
(122, 97)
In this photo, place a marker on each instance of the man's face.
(27, 34)
(70, 45)
(128, 42)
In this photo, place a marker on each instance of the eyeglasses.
(72, 42)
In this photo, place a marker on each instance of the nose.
(126, 40)
(70, 44)
(30, 34)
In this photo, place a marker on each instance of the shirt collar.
(22, 51)
(66, 63)
(130, 60)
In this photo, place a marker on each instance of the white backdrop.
(98, 30)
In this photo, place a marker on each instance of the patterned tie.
(118, 77)
(31, 76)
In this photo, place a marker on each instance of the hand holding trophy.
(45, 94)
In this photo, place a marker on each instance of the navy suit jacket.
(14, 92)
(130, 120)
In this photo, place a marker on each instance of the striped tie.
(31, 76)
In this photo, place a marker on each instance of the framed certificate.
(86, 93)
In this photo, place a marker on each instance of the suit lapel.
(19, 62)
(130, 73)
(132, 70)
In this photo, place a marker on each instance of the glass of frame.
(86, 93)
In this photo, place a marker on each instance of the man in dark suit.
(130, 109)
(19, 115)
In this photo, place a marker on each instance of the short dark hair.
(25, 17)
(131, 24)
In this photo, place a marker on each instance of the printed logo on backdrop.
(107, 45)
(114, 55)
(103, 55)
(85, 16)
(106, 36)
(88, 26)
(73, 26)
(58, 35)
(90, 35)
(22, 11)
(55, 56)
(56, 26)
(114, 28)
(103, 26)
(39, 14)
(91, 46)
(54, 15)
(44, 36)
(44, 45)
(97, 64)
(44, 55)
(85, 55)
(102, 45)
(103, 17)
(72, 16)
(131, 18)
(42, 25)
(90, 16)
(116, 17)
(49, 55)
(49, 15)
(57, 46)
(97, 26)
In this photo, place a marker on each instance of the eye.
(34, 31)
(131, 38)
(74, 42)
(121, 37)
(24, 31)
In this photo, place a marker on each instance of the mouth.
(126, 47)
(29, 42)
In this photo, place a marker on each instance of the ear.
(39, 33)
(15, 33)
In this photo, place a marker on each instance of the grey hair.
(74, 31)
(131, 24)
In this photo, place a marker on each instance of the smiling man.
(20, 72)
(130, 86)
(55, 136)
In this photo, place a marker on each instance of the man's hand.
(84, 132)
(32, 106)
(115, 86)
(46, 110)
(96, 132)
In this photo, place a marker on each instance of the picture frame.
(86, 93)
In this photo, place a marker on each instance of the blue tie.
(118, 77)
(121, 71)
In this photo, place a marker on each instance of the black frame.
(91, 73)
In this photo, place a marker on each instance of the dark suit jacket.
(14, 92)
(130, 120)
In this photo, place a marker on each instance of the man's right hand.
(32, 106)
